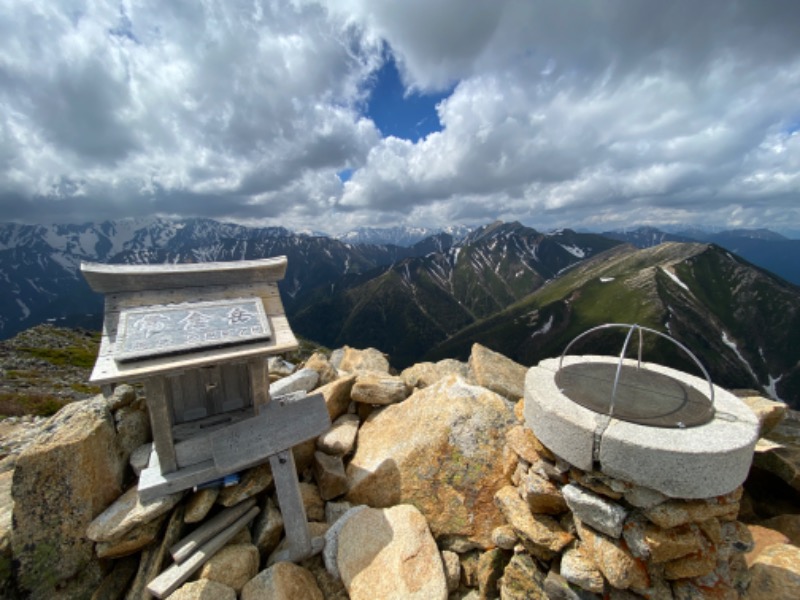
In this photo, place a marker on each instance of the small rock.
(763, 538)
(316, 531)
(254, 481)
(788, 525)
(598, 512)
(122, 396)
(542, 496)
(282, 581)
(558, 588)
(312, 501)
(599, 483)
(127, 513)
(452, 569)
(697, 564)
(680, 512)
(650, 542)
(497, 372)
(140, 458)
(526, 445)
(268, 529)
(334, 510)
(363, 360)
(320, 363)
(523, 579)
(204, 589)
(540, 530)
(233, 566)
(615, 562)
(303, 380)
(337, 395)
(424, 374)
(390, 554)
(118, 580)
(578, 568)
(132, 541)
(199, 504)
(331, 549)
(769, 412)
(378, 389)
(280, 367)
(340, 439)
(330, 475)
(644, 497)
(775, 574)
(491, 565)
(504, 537)
(133, 427)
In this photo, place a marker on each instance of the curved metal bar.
(619, 368)
(642, 329)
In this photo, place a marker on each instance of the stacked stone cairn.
(427, 486)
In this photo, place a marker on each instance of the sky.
(334, 114)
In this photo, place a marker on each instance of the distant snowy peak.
(398, 236)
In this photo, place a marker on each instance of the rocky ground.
(428, 485)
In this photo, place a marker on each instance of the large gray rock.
(62, 481)
(459, 453)
(390, 554)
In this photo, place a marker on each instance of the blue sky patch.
(409, 116)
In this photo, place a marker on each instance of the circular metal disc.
(643, 397)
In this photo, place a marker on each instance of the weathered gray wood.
(158, 404)
(163, 329)
(291, 504)
(187, 431)
(166, 583)
(153, 483)
(109, 279)
(258, 373)
(186, 547)
(279, 426)
(235, 387)
(107, 370)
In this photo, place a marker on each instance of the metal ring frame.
(633, 328)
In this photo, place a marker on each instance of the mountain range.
(517, 290)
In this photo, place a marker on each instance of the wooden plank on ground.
(290, 501)
(186, 547)
(279, 426)
(171, 579)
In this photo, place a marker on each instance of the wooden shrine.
(198, 336)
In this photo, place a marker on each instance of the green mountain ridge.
(736, 317)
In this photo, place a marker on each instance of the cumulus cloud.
(593, 114)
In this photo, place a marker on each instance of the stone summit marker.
(198, 337)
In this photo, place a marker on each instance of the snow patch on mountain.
(732, 345)
(675, 278)
(574, 250)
